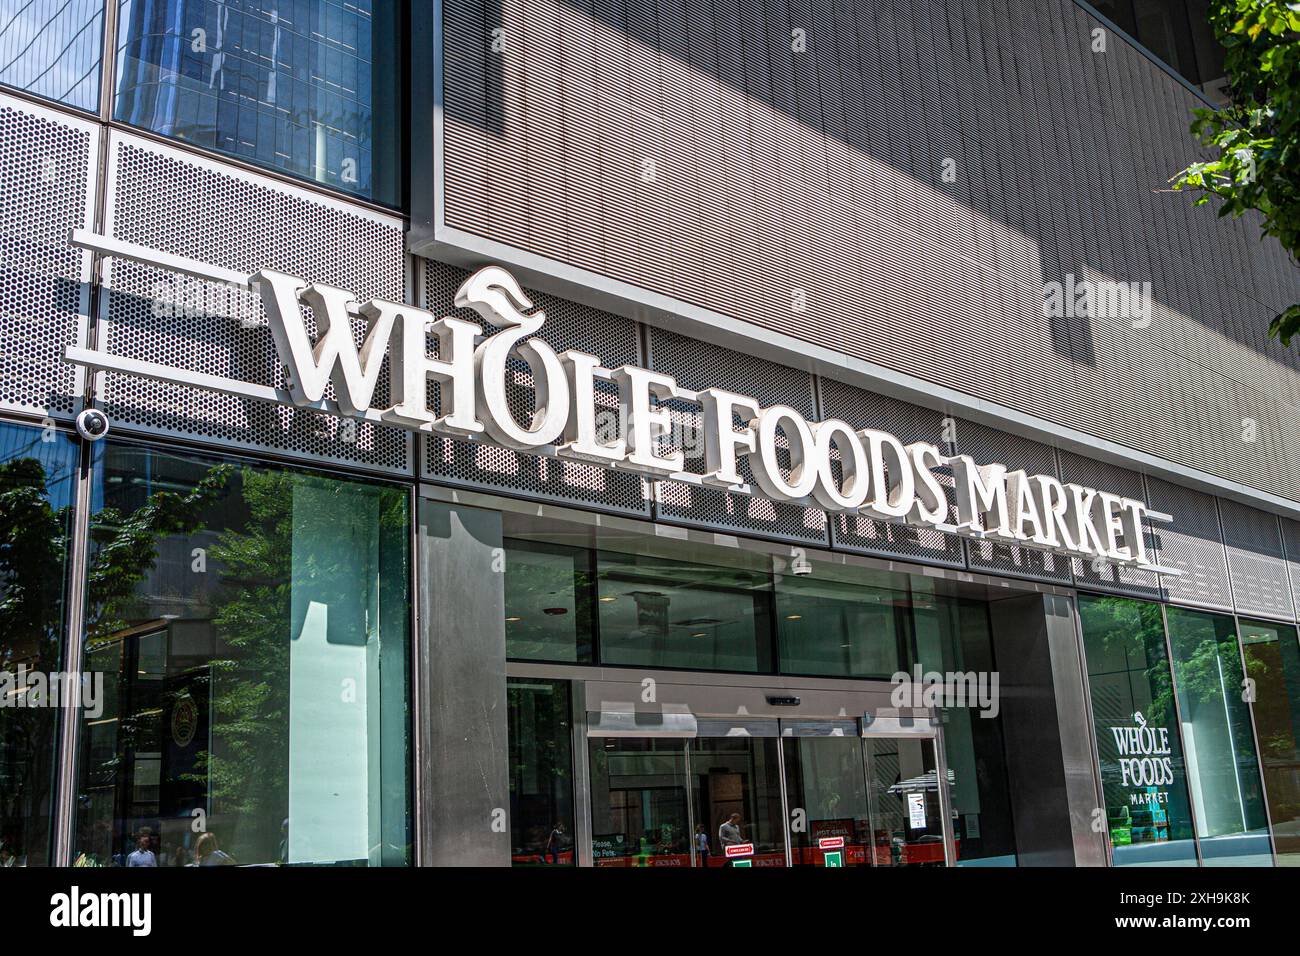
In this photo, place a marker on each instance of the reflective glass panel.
(906, 819)
(1142, 770)
(38, 469)
(842, 622)
(548, 602)
(52, 48)
(639, 812)
(541, 772)
(826, 786)
(307, 87)
(1273, 663)
(1222, 768)
(661, 611)
(736, 788)
(953, 637)
(251, 625)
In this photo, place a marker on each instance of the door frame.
(856, 699)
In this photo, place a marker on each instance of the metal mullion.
(108, 62)
(1182, 741)
(785, 801)
(1099, 787)
(945, 798)
(1241, 657)
(690, 800)
(1259, 754)
(871, 798)
(581, 774)
(73, 662)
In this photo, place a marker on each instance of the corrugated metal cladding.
(168, 200)
(46, 188)
(688, 149)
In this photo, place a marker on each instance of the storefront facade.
(789, 419)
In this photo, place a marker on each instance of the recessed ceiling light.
(699, 634)
(511, 620)
(794, 617)
(607, 599)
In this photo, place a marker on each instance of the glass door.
(736, 800)
(826, 789)
(907, 815)
(818, 795)
(640, 814)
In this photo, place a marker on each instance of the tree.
(1258, 136)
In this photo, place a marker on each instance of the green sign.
(834, 857)
(742, 862)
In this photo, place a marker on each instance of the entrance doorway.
(769, 792)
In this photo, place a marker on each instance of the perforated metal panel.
(481, 465)
(863, 409)
(1291, 547)
(47, 163)
(988, 446)
(1191, 543)
(1256, 561)
(700, 365)
(1102, 575)
(172, 201)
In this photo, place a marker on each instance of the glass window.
(953, 636)
(1273, 663)
(826, 783)
(541, 772)
(251, 625)
(289, 86)
(1143, 778)
(736, 791)
(1223, 771)
(548, 602)
(841, 622)
(660, 611)
(52, 48)
(37, 489)
(639, 813)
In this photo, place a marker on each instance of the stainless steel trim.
(1090, 716)
(1259, 754)
(785, 798)
(690, 801)
(945, 798)
(1182, 743)
(581, 773)
(73, 662)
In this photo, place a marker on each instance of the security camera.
(801, 568)
(92, 424)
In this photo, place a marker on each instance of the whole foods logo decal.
(1145, 756)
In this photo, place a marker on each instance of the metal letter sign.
(878, 475)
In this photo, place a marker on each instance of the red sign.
(740, 849)
(830, 843)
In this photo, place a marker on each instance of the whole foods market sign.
(830, 463)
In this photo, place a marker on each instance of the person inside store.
(207, 853)
(555, 843)
(143, 855)
(702, 845)
(729, 834)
